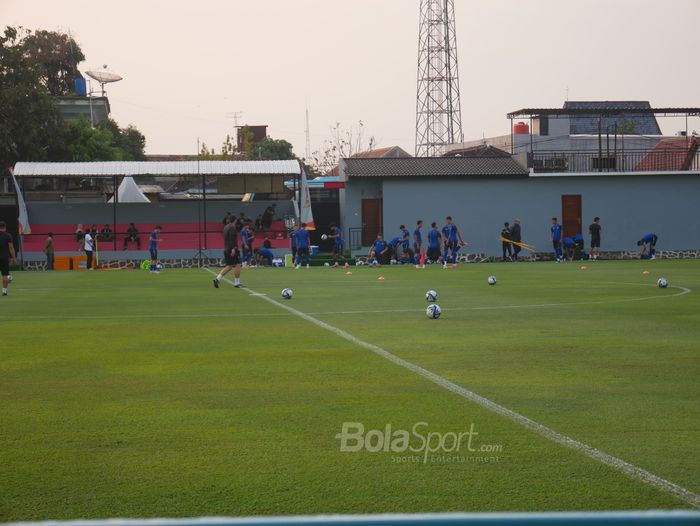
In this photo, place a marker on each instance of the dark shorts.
(452, 245)
(294, 252)
(303, 251)
(595, 242)
(232, 260)
(433, 254)
(4, 266)
(154, 253)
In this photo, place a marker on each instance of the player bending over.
(453, 241)
(648, 239)
(264, 254)
(232, 256)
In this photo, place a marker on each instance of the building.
(380, 196)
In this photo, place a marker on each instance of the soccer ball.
(326, 264)
(433, 311)
(359, 263)
(287, 294)
(324, 237)
(9, 278)
(159, 266)
(491, 280)
(393, 262)
(373, 263)
(662, 283)
(431, 296)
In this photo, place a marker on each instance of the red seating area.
(174, 236)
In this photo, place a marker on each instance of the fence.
(609, 160)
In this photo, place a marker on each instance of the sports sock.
(237, 281)
(4, 290)
(219, 276)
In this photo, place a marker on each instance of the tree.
(84, 143)
(273, 150)
(59, 56)
(342, 144)
(130, 141)
(29, 119)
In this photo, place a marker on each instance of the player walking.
(247, 238)
(293, 240)
(7, 255)
(557, 236)
(453, 241)
(303, 246)
(232, 256)
(153, 241)
(338, 244)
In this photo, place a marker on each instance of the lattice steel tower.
(438, 111)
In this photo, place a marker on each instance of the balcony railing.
(664, 160)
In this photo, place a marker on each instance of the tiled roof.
(388, 152)
(670, 155)
(434, 167)
(643, 124)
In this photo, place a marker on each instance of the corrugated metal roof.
(130, 168)
(434, 167)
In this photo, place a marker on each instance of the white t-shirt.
(88, 242)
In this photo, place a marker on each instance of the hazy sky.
(186, 64)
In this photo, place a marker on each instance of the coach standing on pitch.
(7, 255)
(594, 229)
(232, 257)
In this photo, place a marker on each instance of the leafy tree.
(29, 119)
(129, 140)
(58, 55)
(84, 143)
(273, 150)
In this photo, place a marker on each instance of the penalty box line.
(609, 460)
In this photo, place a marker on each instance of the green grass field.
(133, 395)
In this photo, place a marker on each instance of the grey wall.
(351, 200)
(629, 207)
(163, 212)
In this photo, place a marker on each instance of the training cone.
(380, 278)
(583, 267)
(645, 273)
(348, 273)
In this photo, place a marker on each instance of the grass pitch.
(128, 394)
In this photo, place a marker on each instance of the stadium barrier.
(643, 518)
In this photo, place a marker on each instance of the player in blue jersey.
(303, 246)
(264, 253)
(569, 247)
(338, 243)
(247, 238)
(153, 241)
(394, 245)
(417, 242)
(293, 240)
(406, 252)
(557, 236)
(648, 239)
(434, 243)
(453, 241)
(380, 250)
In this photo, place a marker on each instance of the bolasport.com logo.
(419, 444)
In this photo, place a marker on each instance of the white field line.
(591, 452)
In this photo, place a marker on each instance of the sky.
(188, 66)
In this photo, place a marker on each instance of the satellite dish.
(103, 76)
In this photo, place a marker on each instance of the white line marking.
(591, 452)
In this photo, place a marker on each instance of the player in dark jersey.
(338, 244)
(232, 256)
(417, 242)
(594, 230)
(247, 238)
(7, 255)
(293, 240)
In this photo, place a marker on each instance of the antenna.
(235, 115)
(438, 110)
(308, 139)
(103, 76)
